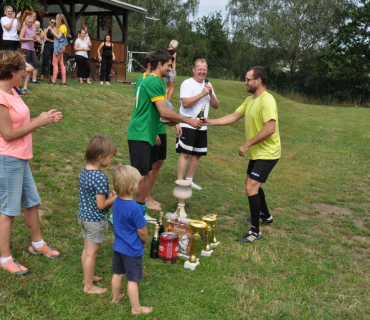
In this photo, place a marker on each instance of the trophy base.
(205, 253)
(190, 265)
(214, 245)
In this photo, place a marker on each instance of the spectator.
(106, 59)
(47, 54)
(10, 24)
(28, 38)
(16, 184)
(83, 63)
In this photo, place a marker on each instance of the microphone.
(206, 81)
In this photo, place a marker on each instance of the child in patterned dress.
(95, 199)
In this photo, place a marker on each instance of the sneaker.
(148, 218)
(195, 186)
(20, 92)
(34, 82)
(110, 219)
(46, 250)
(13, 266)
(101, 82)
(26, 91)
(250, 237)
(63, 84)
(268, 220)
(51, 83)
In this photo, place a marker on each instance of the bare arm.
(174, 62)
(189, 102)
(267, 130)
(21, 35)
(56, 35)
(9, 133)
(223, 121)
(99, 48)
(173, 116)
(214, 101)
(102, 202)
(143, 234)
(78, 48)
(10, 23)
(113, 56)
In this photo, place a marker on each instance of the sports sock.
(38, 244)
(142, 207)
(5, 260)
(264, 209)
(255, 208)
(189, 179)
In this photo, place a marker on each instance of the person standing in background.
(47, 54)
(171, 78)
(11, 25)
(106, 59)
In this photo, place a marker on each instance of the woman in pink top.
(28, 38)
(16, 181)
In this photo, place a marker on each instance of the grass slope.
(312, 263)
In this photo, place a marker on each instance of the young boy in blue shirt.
(131, 237)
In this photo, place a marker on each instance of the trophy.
(211, 221)
(214, 243)
(198, 227)
(182, 192)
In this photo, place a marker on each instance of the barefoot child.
(95, 201)
(130, 239)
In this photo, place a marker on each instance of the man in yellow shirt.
(262, 145)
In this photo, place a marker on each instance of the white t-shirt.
(82, 44)
(190, 88)
(12, 33)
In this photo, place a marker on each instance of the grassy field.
(312, 262)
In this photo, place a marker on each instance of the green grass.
(312, 263)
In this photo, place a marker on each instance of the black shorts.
(11, 45)
(141, 156)
(160, 152)
(259, 170)
(131, 267)
(192, 142)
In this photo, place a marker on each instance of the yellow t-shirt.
(256, 113)
(63, 29)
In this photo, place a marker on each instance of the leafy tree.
(284, 28)
(20, 5)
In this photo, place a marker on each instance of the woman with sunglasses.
(47, 54)
(16, 181)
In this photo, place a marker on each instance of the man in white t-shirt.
(11, 25)
(192, 144)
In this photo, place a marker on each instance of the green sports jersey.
(256, 113)
(145, 118)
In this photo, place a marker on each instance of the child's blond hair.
(126, 180)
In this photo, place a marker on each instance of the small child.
(131, 237)
(95, 201)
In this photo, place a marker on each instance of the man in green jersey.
(262, 145)
(150, 106)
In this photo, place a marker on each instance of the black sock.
(265, 211)
(255, 207)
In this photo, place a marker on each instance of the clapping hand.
(50, 116)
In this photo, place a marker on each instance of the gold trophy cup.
(211, 221)
(214, 243)
(198, 227)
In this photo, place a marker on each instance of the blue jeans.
(16, 186)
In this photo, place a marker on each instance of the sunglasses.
(53, 22)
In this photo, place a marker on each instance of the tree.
(20, 5)
(284, 28)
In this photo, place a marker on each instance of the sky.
(208, 6)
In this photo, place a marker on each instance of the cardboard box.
(185, 236)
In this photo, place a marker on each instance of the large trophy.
(198, 227)
(211, 222)
(182, 192)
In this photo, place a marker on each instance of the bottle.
(154, 246)
(201, 113)
(161, 227)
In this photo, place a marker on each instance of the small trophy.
(198, 227)
(211, 221)
(214, 243)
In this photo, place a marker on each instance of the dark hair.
(159, 56)
(259, 72)
(99, 146)
(148, 58)
(107, 35)
(10, 61)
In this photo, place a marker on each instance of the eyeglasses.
(247, 80)
(53, 22)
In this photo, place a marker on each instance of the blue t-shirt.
(128, 217)
(91, 183)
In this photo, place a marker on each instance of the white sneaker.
(195, 186)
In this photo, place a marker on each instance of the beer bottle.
(201, 113)
(161, 227)
(154, 246)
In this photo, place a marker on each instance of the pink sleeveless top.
(29, 45)
(20, 148)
